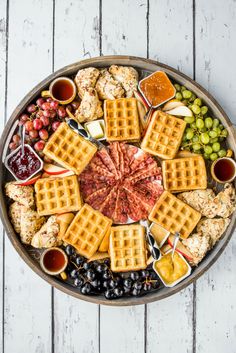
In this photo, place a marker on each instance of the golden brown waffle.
(184, 174)
(163, 135)
(57, 195)
(122, 119)
(69, 149)
(128, 248)
(174, 215)
(87, 230)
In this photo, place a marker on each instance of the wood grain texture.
(174, 314)
(216, 290)
(27, 317)
(76, 36)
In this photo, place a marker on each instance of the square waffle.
(128, 248)
(163, 135)
(174, 215)
(57, 195)
(122, 119)
(69, 149)
(87, 230)
(184, 174)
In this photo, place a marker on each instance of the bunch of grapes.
(203, 134)
(41, 119)
(95, 277)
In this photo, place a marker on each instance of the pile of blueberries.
(95, 277)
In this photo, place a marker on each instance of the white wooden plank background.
(39, 36)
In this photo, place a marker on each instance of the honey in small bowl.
(223, 170)
(53, 261)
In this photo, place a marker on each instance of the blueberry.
(126, 290)
(78, 282)
(100, 268)
(118, 292)
(112, 283)
(90, 274)
(86, 266)
(145, 273)
(134, 276)
(107, 262)
(135, 292)
(86, 289)
(109, 294)
(79, 260)
(137, 285)
(74, 273)
(69, 250)
(106, 284)
(128, 283)
(96, 283)
(106, 275)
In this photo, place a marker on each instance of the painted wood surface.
(197, 37)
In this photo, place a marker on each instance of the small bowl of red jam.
(23, 167)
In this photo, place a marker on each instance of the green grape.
(213, 156)
(185, 101)
(178, 96)
(177, 87)
(221, 138)
(222, 153)
(190, 106)
(208, 122)
(195, 138)
(196, 146)
(224, 133)
(221, 127)
(193, 125)
(204, 129)
(212, 134)
(217, 130)
(216, 122)
(196, 109)
(187, 94)
(193, 97)
(189, 135)
(204, 110)
(184, 138)
(198, 102)
(214, 140)
(198, 116)
(183, 88)
(208, 149)
(189, 119)
(205, 138)
(216, 147)
(200, 123)
(206, 156)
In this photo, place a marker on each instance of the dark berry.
(86, 289)
(134, 276)
(74, 273)
(152, 275)
(145, 273)
(128, 282)
(126, 290)
(106, 275)
(147, 286)
(107, 262)
(155, 284)
(79, 260)
(96, 283)
(78, 282)
(69, 250)
(135, 292)
(106, 284)
(118, 292)
(100, 268)
(137, 285)
(112, 283)
(86, 266)
(90, 274)
(109, 294)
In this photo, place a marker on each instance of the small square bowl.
(102, 123)
(178, 280)
(141, 91)
(12, 154)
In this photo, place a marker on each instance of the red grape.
(54, 105)
(55, 125)
(44, 120)
(37, 123)
(39, 113)
(47, 113)
(43, 134)
(49, 99)
(61, 112)
(75, 105)
(39, 146)
(31, 108)
(12, 145)
(40, 102)
(29, 125)
(16, 138)
(46, 106)
(24, 117)
(33, 134)
(53, 113)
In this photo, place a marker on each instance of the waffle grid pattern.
(122, 120)
(57, 195)
(127, 248)
(184, 174)
(164, 135)
(69, 149)
(174, 215)
(87, 230)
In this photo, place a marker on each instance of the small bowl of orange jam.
(157, 89)
(172, 272)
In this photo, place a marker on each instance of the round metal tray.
(145, 67)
